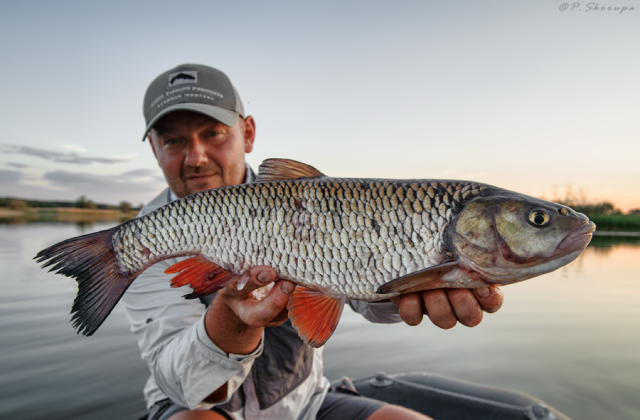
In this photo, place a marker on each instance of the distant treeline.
(620, 222)
(607, 217)
(604, 208)
(82, 203)
(579, 201)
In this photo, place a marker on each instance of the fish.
(335, 238)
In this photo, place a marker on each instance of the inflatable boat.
(444, 398)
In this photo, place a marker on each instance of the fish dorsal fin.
(285, 169)
(314, 314)
(442, 275)
(203, 276)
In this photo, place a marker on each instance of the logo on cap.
(182, 77)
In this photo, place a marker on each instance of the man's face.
(197, 153)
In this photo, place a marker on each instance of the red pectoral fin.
(202, 275)
(314, 314)
(437, 277)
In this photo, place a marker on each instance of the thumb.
(260, 313)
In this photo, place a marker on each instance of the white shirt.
(186, 366)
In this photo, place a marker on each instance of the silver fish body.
(363, 239)
(343, 236)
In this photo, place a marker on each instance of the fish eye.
(539, 217)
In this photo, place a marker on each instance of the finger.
(490, 298)
(279, 319)
(410, 308)
(465, 306)
(253, 279)
(238, 295)
(260, 313)
(439, 309)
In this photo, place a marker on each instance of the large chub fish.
(336, 238)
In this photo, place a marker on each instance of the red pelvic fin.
(202, 275)
(314, 314)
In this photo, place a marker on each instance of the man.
(233, 355)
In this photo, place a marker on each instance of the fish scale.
(386, 229)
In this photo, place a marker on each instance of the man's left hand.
(445, 307)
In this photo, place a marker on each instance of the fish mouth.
(579, 237)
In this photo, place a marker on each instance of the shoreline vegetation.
(16, 211)
(606, 216)
(81, 211)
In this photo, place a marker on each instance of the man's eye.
(213, 133)
(171, 142)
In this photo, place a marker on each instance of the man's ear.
(249, 133)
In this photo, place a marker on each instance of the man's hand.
(237, 317)
(445, 307)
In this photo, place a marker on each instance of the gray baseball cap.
(192, 87)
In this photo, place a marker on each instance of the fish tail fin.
(91, 260)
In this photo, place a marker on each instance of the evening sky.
(517, 94)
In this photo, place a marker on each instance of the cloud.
(143, 172)
(17, 165)
(74, 147)
(99, 183)
(8, 176)
(137, 186)
(59, 157)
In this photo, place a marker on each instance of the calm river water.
(571, 338)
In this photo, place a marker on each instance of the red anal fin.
(314, 314)
(203, 276)
(284, 169)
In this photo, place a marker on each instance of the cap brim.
(225, 116)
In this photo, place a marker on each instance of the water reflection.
(569, 337)
(604, 244)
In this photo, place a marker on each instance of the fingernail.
(264, 277)
(484, 292)
(287, 287)
(243, 281)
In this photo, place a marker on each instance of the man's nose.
(196, 153)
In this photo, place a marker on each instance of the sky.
(517, 94)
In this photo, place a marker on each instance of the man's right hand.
(236, 318)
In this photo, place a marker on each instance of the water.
(570, 338)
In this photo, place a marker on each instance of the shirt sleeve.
(186, 365)
(378, 312)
